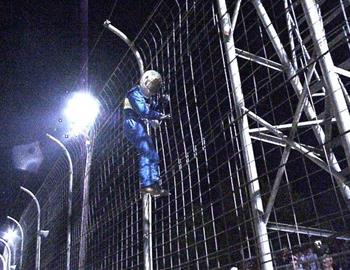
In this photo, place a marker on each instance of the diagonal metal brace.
(296, 146)
(287, 150)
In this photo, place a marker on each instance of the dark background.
(44, 46)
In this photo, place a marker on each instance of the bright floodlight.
(10, 235)
(81, 111)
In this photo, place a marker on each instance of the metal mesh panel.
(53, 200)
(183, 43)
(213, 218)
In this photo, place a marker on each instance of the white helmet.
(150, 82)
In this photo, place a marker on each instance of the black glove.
(165, 117)
(164, 99)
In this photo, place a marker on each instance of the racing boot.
(155, 190)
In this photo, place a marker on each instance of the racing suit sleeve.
(139, 104)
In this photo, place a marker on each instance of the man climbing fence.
(138, 109)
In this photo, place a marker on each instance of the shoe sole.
(154, 193)
(162, 194)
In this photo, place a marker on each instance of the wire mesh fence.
(220, 214)
(53, 200)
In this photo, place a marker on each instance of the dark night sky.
(42, 53)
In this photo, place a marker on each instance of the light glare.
(10, 235)
(81, 112)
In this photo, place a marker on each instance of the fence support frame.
(85, 204)
(264, 251)
(38, 230)
(70, 196)
(146, 198)
(22, 240)
(333, 87)
(7, 247)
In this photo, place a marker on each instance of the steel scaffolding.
(256, 156)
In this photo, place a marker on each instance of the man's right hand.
(154, 123)
(165, 117)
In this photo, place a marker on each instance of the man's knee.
(153, 156)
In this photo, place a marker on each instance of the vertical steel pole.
(3, 262)
(314, 20)
(22, 239)
(146, 198)
(147, 227)
(84, 7)
(70, 197)
(7, 262)
(14, 254)
(85, 205)
(247, 148)
(147, 231)
(38, 235)
(84, 16)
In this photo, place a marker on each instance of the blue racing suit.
(135, 110)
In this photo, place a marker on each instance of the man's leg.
(149, 159)
(154, 164)
(149, 153)
(155, 171)
(145, 171)
(135, 132)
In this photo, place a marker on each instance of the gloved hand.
(154, 123)
(165, 117)
(164, 99)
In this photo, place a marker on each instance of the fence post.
(22, 240)
(70, 197)
(146, 198)
(264, 251)
(38, 229)
(85, 205)
(334, 89)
